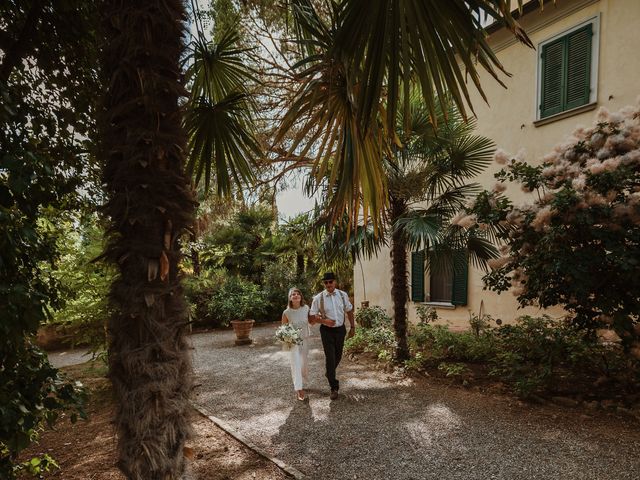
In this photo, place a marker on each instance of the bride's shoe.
(300, 395)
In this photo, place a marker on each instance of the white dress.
(299, 318)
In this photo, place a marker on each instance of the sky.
(293, 201)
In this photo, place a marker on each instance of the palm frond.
(420, 228)
(430, 41)
(217, 69)
(348, 158)
(221, 142)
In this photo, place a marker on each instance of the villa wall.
(509, 119)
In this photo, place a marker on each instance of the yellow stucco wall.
(509, 121)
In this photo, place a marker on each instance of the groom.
(329, 308)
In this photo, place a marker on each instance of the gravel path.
(386, 427)
(64, 358)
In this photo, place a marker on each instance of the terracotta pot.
(364, 304)
(242, 328)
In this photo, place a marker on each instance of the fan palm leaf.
(222, 142)
(359, 65)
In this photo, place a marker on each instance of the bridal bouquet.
(289, 335)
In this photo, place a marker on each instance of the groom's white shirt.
(334, 307)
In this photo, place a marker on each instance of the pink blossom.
(499, 187)
(496, 263)
(456, 220)
(467, 221)
(579, 183)
(596, 168)
(501, 157)
(543, 217)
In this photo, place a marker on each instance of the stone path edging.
(286, 468)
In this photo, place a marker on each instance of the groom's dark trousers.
(332, 343)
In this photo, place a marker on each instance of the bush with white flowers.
(577, 244)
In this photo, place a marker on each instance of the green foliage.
(577, 245)
(426, 314)
(378, 339)
(537, 353)
(84, 282)
(32, 396)
(277, 279)
(453, 369)
(47, 90)
(373, 316)
(439, 344)
(244, 246)
(237, 299)
(479, 322)
(533, 356)
(198, 291)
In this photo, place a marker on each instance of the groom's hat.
(328, 276)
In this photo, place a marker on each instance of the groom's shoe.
(334, 395)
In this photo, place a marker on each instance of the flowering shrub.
(289, 335)
(578, 243)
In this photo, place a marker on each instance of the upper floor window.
(567, 70)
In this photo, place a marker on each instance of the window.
(567, 70)
(446, 285)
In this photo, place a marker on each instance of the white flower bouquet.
(289, 335)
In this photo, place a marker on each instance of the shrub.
(426, 314)
(578, 244)
(277, 279)
(453, 369)
(372, 316)
(198, 291)
(378, 339)
(237, 299)
(438, 343)
(542, 354)
(33, 396)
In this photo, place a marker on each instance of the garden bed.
(86, 449)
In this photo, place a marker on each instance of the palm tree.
(428, 186)
(150, 206)
(371, 50)
(358, 66)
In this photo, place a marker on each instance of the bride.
(297, 314)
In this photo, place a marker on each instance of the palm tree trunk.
(149, 205)
(399, 282)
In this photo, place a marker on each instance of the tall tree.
(150, 206)
(46, 114)
(357, 65)
(429, 184)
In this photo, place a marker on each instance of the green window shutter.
(417, 276)
(579, 67)
(566, 72)
(552, 78)
(460, 278)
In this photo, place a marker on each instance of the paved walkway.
(385, 427)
